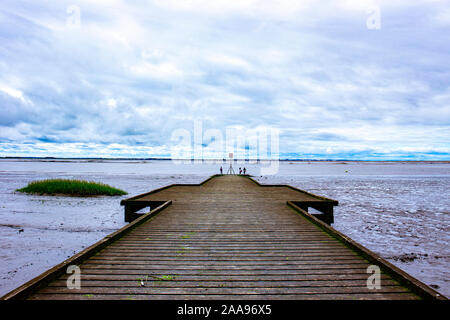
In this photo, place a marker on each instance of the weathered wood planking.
(227, 238)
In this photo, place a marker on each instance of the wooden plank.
(226, 290)
(241, 297)
(226, 256)
(212, 251)
(220, 273)
(261, 246)
(154, 283)
(226, 263)
(230, 260)
(230, 278)
(222, 268)
(229, 273)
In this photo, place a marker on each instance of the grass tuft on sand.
(70, 187)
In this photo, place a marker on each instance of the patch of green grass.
(70, 187)
(162, 278)
(182, 251)
(188, 235)
(167, 278)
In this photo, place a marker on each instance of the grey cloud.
(134, 73)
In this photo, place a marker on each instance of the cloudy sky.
(349, 79)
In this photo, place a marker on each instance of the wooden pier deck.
(227, 238)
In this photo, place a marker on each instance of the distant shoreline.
(56, 159)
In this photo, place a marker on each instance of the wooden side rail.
(402, 277)
(131, 208)
(334, 202)
(45, 278)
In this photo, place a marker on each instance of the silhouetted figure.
(240, 171)
(244, 170)
(221, 171)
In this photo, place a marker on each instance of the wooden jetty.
(226, 238)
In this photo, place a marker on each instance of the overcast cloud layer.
(336, 81)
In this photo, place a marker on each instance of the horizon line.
(222, 160)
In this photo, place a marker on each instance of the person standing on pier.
(244, 170)
(240, 170)
(221, 171)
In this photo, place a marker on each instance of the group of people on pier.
(241, 170)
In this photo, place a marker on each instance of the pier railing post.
(131, 208)
(326, 209)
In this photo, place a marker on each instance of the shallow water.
(398, 210)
